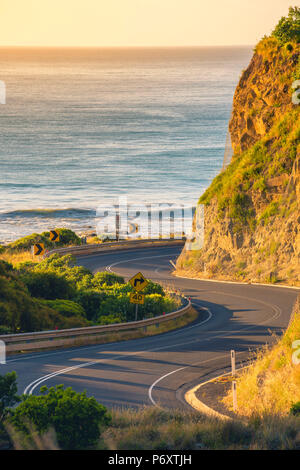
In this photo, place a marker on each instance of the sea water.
(82, 127)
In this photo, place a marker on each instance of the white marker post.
(234, 397)
(232, 354)
(2, 353)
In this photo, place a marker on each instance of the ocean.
(82, 127)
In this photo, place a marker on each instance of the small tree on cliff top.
(288, 28)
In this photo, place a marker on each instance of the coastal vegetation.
(39, 422)
(54, 293)
(19, 250)
(288, 28)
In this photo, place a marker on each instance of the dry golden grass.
(17, 257)
(153, 428)
(272, 382)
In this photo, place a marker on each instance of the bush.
(153, 288)
(48, 285)
(19, 312)
(109, 279)
(295, 409)
(90, 300)
(117, 305)
(66, 237)
(5, 330)
(25, 243)
(76, 419)
(67, 308)
(110, 319)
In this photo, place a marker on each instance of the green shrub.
(5, 330)
(110, 319)
(117, 305)
(153, 288)
(76, 418)
(295, 409)
(105, 278)
(48, 285)
(271, 210)
(90, 300)
(67, 308)
(26, 243)
(19, 312)
(67, 237)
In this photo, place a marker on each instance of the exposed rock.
(259, 239)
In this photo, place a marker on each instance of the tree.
(288, 28)
(76, 418)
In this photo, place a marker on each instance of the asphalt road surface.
(159, 369)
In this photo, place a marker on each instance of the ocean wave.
(81, 213)
(74, 213)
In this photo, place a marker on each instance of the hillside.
(273, 378)
(251, 209)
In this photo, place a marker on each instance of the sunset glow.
(136, 22)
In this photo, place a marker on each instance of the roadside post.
(138, 283)
(117, 226)
(234, 397)
(232, 354)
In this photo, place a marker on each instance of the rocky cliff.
(252, 218)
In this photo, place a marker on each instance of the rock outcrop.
(252, 217)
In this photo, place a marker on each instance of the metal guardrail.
(103, 247)
(80, 336)
(75, 336)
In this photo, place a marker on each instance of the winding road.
(160, 369)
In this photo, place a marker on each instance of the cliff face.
(263, 93)
(252, 218)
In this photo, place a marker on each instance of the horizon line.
(121, 47)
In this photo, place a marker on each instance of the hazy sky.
(137, 22)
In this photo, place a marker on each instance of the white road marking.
(150, 390)
(30, 388)
(108, 268)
